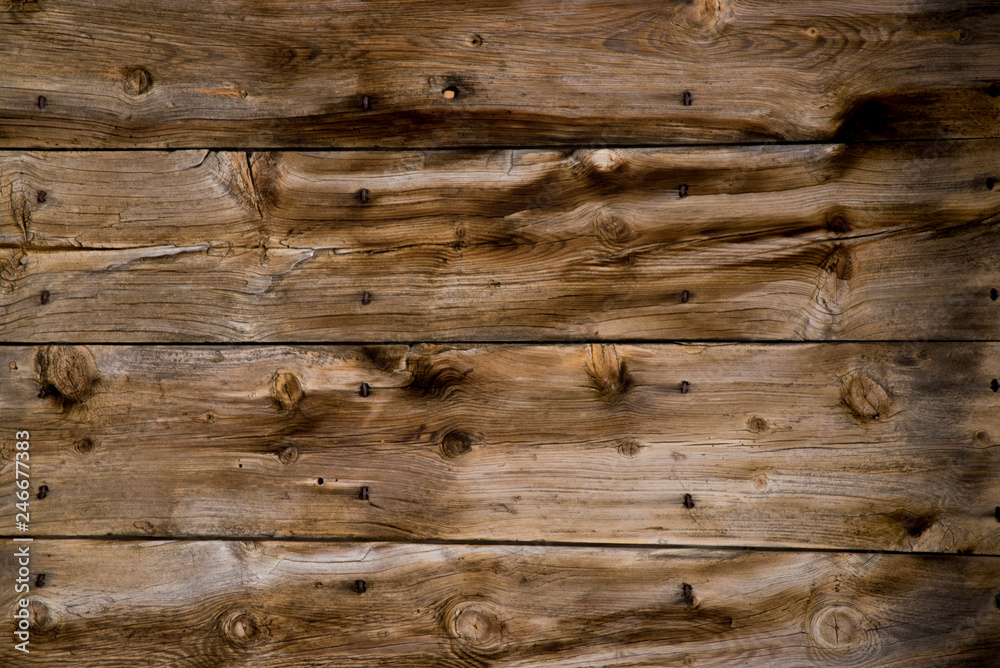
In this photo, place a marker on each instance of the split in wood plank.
(840, 446)
(770, 243)
(184, 73)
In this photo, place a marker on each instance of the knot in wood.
(612, 228)
(607, 160)
(865, 398)
(138, 80)
(608, 372)
(629, 447)
(84, 446)
(67, 371)
(289, 454)
(39, 616)
(457, 443)
(838, 628)
(757, 424)
(286, 390)
(476, 626)
(242, 628)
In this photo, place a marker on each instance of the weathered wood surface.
(843, 446)
(268, 73)
(779, 243)
(289, 605)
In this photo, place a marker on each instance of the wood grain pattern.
(293, 605)
(266, 73)
(842, 446)
(779, 243)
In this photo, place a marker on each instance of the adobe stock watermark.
(22, 546)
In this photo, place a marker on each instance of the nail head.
(685, 386)
(687, 98)
(41, 101)
(44, 297)
(365, 389)
(685, 296)
(360, 586)
(43, 491)
(688, 501)
(41, 196)
(683, 191)
(364, 494)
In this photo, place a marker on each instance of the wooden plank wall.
(542, 333)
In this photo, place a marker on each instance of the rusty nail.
(363, 195)
(366, 299)
(41, 196)
(687, 98)
(365, 103)
(688, 592)
(683, 191)
(40, 580)
(364, 494)
(688, 501)
(365, 389)
(41, 101)
(685, 386)
(44, 297)
(43, 491)
(685, 296)
(360, 586)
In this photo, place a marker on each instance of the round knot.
(757, 424)
(838, 628)
(865, 398)
(606, 160)
(629, 447)
(286, 390)
(611, 228)
(138, 80)
(288, 454)
(84, 446)
(39, 617)
(244, 629)
(67, 371)
(476, 626)
(457, 443)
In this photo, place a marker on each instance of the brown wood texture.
(839, 446)
(295, 605)
(808, 242)
(269, 73)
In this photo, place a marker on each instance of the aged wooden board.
(787, 243)
(843, 446)
(186, 73)
(289, 605)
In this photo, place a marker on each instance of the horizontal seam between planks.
(115, 538)
(492, 342)
(499, 147)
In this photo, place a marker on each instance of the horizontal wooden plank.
(842, 446)
(181, 73)
(780, 243)
(289, 605)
